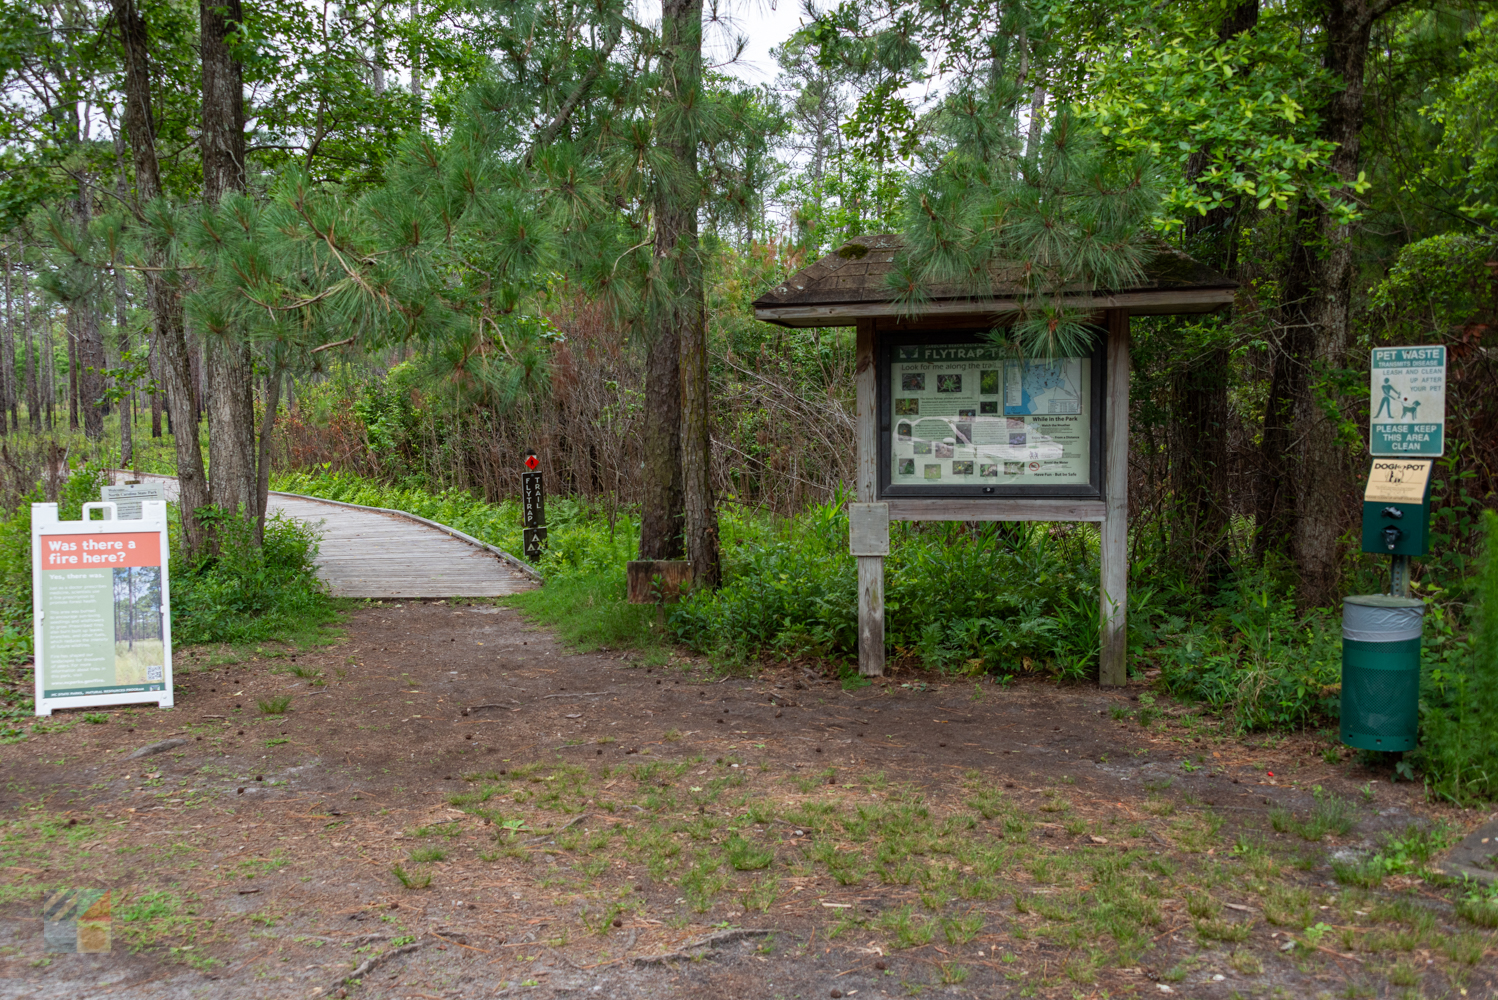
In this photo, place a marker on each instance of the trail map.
(967, 414)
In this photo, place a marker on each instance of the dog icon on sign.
(1410, 410)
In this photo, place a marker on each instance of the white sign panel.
(1407, 403)
(100, 604)
(966, 414)
(128, 498)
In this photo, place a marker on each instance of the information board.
(100, 604)
(973, 415)
(128, 498)
(1407, 402)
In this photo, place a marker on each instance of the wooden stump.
(663, 580)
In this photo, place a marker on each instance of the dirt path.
(562, 821)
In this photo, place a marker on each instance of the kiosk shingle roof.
(849, 284)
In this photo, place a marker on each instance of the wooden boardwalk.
(373, 553)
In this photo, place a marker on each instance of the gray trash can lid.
(1384, 601)
(1381, 618)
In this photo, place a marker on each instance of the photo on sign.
(989, 407)
(988, 382)
(902, 430)
(933, 472)
(907, 407)
(913, 382)
(943, 449)
(948, 383)
(989, 470)
(961, 468)
(139, 652)
(907, 466)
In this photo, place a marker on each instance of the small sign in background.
(128, 498)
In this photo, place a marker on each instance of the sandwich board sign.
(1408, 402)
(100, 604)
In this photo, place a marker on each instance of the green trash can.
(1381, 671)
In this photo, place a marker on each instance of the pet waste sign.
(100, 606)
(1408, 403)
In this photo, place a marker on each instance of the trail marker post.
(533, 505)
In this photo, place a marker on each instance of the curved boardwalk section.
(366, 552)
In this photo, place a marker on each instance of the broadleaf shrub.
(1458, 753)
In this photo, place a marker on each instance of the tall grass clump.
(1251, 657)
(248, 593)
(1458, 754)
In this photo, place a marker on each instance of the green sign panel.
(1407, 405)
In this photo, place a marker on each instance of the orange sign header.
(115, 550)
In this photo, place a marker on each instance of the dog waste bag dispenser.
(1396, 507)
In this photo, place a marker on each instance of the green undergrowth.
(245, 593)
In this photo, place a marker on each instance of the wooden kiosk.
(950, 429)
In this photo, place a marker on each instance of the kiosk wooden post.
(870, 568)
(1114, 543)
(1090, 482)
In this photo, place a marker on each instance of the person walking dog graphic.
(1386, 405)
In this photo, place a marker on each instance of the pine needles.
(1043, 220)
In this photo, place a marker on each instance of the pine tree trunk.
(416, 89)
(156, 377)
(231, 369)
(222, 138)
(678, 256)
(127, 402)
(71, 332)
(231, 428)
(661, 515)
(163, 293)
(33, 366)
(1314, 315)
(267, 429)
(49, 363)
(91, 365)
(8, 361)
